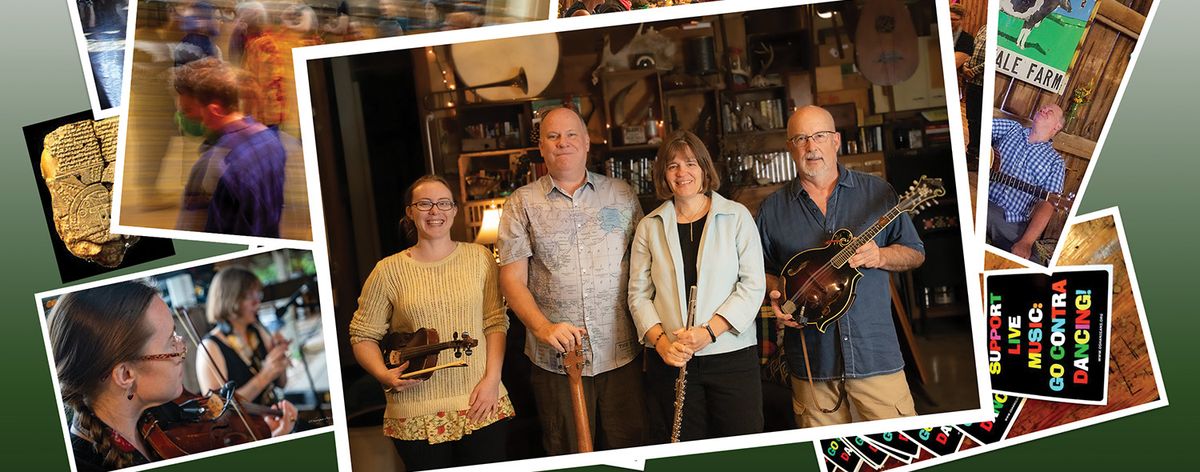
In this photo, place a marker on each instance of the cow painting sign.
(1037, 40)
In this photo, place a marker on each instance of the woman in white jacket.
(698, 238)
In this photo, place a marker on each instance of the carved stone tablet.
(77, 164)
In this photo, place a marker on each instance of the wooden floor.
(1131, 379)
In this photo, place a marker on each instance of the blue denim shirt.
(789, 222)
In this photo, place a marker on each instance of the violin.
(420, 349)
(194, 423)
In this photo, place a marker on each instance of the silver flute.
(681, 381)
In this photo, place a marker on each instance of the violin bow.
(182, 317)
(415, 373)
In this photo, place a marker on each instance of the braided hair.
(91, 331)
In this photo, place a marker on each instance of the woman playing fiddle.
(454, 417)
(241, 350)
(697, 238)
(117, 355)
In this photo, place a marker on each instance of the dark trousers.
(974, 99)
(723, 396)
(1000, 232)
(482, 446)
(615, 406)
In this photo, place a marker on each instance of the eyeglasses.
(426, 205)
(176, 342)
(820, 137)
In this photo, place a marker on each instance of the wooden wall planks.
(1102, 62)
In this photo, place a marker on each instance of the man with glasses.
(564, 267)
(1016, 218)
(859, 356)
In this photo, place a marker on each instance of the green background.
(1148, 167)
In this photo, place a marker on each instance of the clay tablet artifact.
(78, 161)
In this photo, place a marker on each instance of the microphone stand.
(293, 300)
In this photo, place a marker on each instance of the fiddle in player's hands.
(392, 382)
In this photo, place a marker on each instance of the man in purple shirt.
(236, 187)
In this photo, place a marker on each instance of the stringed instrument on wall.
(573, 364)
(885, 42)
(819, 283)
(420, 349)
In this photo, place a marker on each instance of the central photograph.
(680, 230)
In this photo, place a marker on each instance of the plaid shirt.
(248, 198)
(976, 62)
(1034, 163)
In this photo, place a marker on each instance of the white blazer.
(729, 274)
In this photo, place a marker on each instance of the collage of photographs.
(408, 235)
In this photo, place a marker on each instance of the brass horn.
(445, 100)
(519, 81)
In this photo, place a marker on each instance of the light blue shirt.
(729, 275)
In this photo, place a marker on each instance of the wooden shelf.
(689, 91)
(498, 152)
(635, 147)
(756, 89)
(497, 160)
(760, 132)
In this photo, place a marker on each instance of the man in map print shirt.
(564, 267)
(1017, 218)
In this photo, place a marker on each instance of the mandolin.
(885, 42)
(573, 363)
(420, 349)
(819, 283)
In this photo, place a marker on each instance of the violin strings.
(188, 329)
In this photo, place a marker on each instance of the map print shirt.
(578, 250)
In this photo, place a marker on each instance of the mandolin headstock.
(921, 194)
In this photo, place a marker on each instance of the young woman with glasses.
(117, 355)
(454, 417)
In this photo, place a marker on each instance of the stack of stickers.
(1052, 340)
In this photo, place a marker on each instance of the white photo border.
(115, 226)
(1107, 326)
(85, 59)
(985, 145)
(334, 368)
(1161, 402)
(973, 265)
